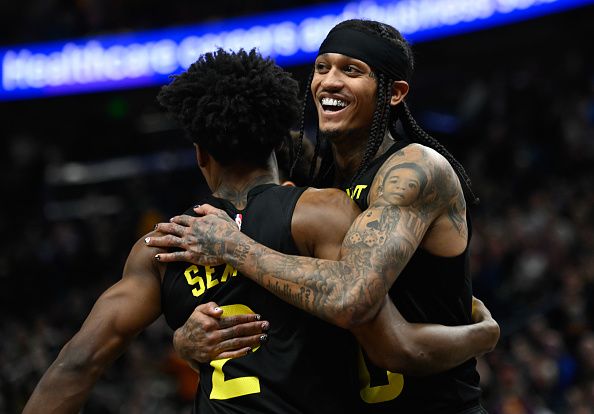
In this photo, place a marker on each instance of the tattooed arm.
(390, 341)
(376, 248)
(320, 222)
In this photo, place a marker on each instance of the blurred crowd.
(522, 126)
(533, 165)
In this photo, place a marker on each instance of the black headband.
(381, 54)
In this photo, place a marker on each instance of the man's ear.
(399, 92)
(202, 156)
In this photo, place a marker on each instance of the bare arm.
(320, 222)
(119, 314)
(423, 349)
(388, 339)
(347, 292)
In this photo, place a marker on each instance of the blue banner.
(291, 37)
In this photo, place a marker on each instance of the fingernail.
(248, 351)
(263, 338)
(156, 225)
(146, 240)
(157, 257)
(258, 317)
(265, 326)
(217, 309)
(197, 206)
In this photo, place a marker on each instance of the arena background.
(514, 103)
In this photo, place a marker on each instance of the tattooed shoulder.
(418, 177)
(457, 215)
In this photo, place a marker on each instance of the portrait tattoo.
(403, 184)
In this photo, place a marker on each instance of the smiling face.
(401, 187)
(344, 91)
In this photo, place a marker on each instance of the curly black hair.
(239, 106)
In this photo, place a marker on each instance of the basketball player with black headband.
(410, 244)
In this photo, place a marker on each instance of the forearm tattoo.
(407, 194)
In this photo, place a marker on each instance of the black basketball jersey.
(306, 366)
(430, 289)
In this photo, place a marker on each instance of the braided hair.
(298, 152)
(238, 105)
(386, 117)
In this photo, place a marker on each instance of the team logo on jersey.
(355, 193)
(238, 219)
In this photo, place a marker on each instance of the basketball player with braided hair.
(410, 244)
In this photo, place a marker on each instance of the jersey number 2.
(224, 389)
(379, 393)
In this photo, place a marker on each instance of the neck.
(348, 154)
(235, 182)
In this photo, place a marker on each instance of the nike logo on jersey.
(238, 220)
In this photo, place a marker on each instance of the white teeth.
(333, 102)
